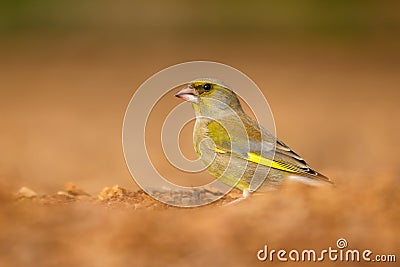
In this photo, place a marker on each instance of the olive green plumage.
(234, 147)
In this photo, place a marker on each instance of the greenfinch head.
(210, 94)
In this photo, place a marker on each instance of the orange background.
(330, 71)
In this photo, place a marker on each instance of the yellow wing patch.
(253, 157)
(272, 163)
(219, 151)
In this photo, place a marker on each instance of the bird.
(235, 148)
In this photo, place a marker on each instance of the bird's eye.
(207, 87)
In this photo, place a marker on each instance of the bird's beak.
(189, 94)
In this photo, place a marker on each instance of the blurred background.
(329, 69)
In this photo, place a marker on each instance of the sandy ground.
(62, 107)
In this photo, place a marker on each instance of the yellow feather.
(219, 151)
(271, 163)
(253, 157)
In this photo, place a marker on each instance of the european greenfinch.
(234, 147)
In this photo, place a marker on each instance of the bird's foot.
(245, 194)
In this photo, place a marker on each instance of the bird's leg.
(245, 194)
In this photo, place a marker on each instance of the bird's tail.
(314, 179)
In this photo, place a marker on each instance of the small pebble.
(74, 190)
(26, 192)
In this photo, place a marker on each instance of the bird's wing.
(286, 154)
(259, 150)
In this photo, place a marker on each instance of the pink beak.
(188, 94)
